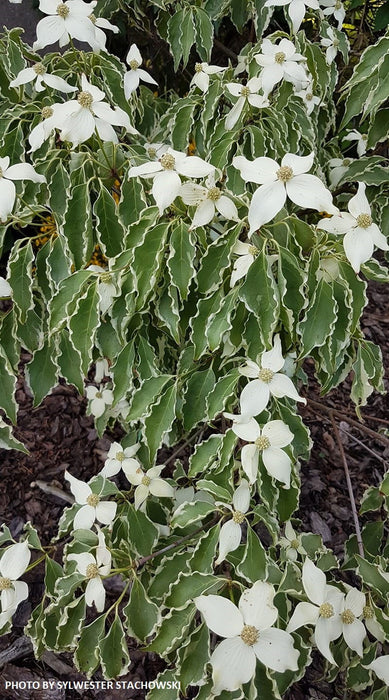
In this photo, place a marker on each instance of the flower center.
(338, 5)
(238, 517)
(364, 220)
(249, 635)
(134, 65)
(85, 99)
(364, 137)
(214, 194)
(5, 583)
(279, 57)
(1, 173)
(168, 161)
(98, 395)
(93, 500)
(245, 91)
(198, 67)
(309, 96)
(326, 610)
(294, 544)
(105, 277)
(92, 571)
(265, 374)
(146, 481)
(151, 152)
(335, 42)
(92, 18)
(368, 613)
(39, 69)
(120, 456)
(347, 617)
(263, 443)
(253, 250)
(47, 112)
(63, 10)
(284, 173)
(346, 161)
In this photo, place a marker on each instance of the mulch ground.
(60, 436)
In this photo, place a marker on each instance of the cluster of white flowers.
(8, 174)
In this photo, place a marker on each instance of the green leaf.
(69, 362)
(205, 308)
(204, 33)
(216, 259)
(262, 299)
(371, 575)
(70, 623)
(190, 585)
(173, 628)
(147, 395)
(220, 322)
(143, 533)
(7, 388)
(181, 258)
(319, 320)
(205, 551)
(115, 659)
(151, 249)
(77, 227)
(62, 303)
(122, 372)
(53, 571)
(59, 188)
(194, 655)
(199, 386)
(110, 232)
(167, 573)
(84, 323)
(253, 566)
(160, 420)
(41, 372)
(132, 202)
(20, 278)
(204, 454)
(224, 388)
(189, 513)
(141, 614)
(87, 655)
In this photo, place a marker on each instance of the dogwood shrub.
(201, 240)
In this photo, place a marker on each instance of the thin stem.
(169, 547)
(184, 444)
(349, 486)
(339, 414)
(381, 459)
(226, 50)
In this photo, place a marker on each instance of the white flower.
(101, 370)
(107, 290)
(13, 564)
(296, 9)
(246, 258)
(242, 65)
(309, 99)
(280, 62)
(291, 543)
(99, 398)
(166, 173)
(79, 118)
(380, 667)
(267, 381)
(338, 166)
(66, 20)
(361, 234)
(323, 611)
(92, 507)
(21, 171)
(267, 443)
(334, 7)
(331, 44)
(93, 569)
(119, 458)
(99, 24)
(39, 74)
(249, 636)
(244, 93)
(279, 181)
(353, 629)
(147, 482)
(50, 119)
(372, 624)
(5, 288)
(155, 150)
(361, 140)
(208, 199)
(133, 76)
(202, 73)
(231, 532)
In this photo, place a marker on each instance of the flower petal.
(308, 191)
(249, 458)
(220, 614)
(380, 667)
(314, 582)
(260, 170)
(227, 208)
(83, 560)
(84, 518)
(166, 187)
(275, 649)
(359, 203)
(254, 398)
(277, 464)
(131, 82)
(229, 539)
(193, 166)
(23, 171)
(241, 497)
(358, 247)
(95, 593)
(281, 385)
(160, 488)
(233, 663)
(15, 561)
(278, 433)
(273, 359)
(79, 489)
(203, 214)
(256, 606)
(106, 511)
(304, 614)
(246, 428)
(354, 634)
(266, 202)
(299, 164)
(326, 632)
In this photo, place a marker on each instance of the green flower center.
(151, 152)
(346, 161)
(168, 161)
(295, 544)
(364, 220)
(120, 456)
(368, 612)
(284, 173)
(146, 481)
(93, 500)
(253, 250)
(238, 517)
(198, 68)
(364, 137)
(85, 99)
(214, 194)
(263, 443)
(249, 635)
(92, 571)
(326, 610)
(266, 375)
(309, 96)
(92, 18)
(5, 583)
(63, 10)
(338, 5)
(279, 57)
(39, 69)
(245, 91)
(98, 395)
(134, 64)
(47, 112)
(335, 42)
(347, 617)
(105, 277)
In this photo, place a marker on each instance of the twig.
(226, 50)
(52, 490)
(350, 435)
(349, 486)
(342, 416)
(182, 447)
(377, 420)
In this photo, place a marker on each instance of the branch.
(342, 416)
(182, 540)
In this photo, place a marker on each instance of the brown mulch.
(60, 436)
